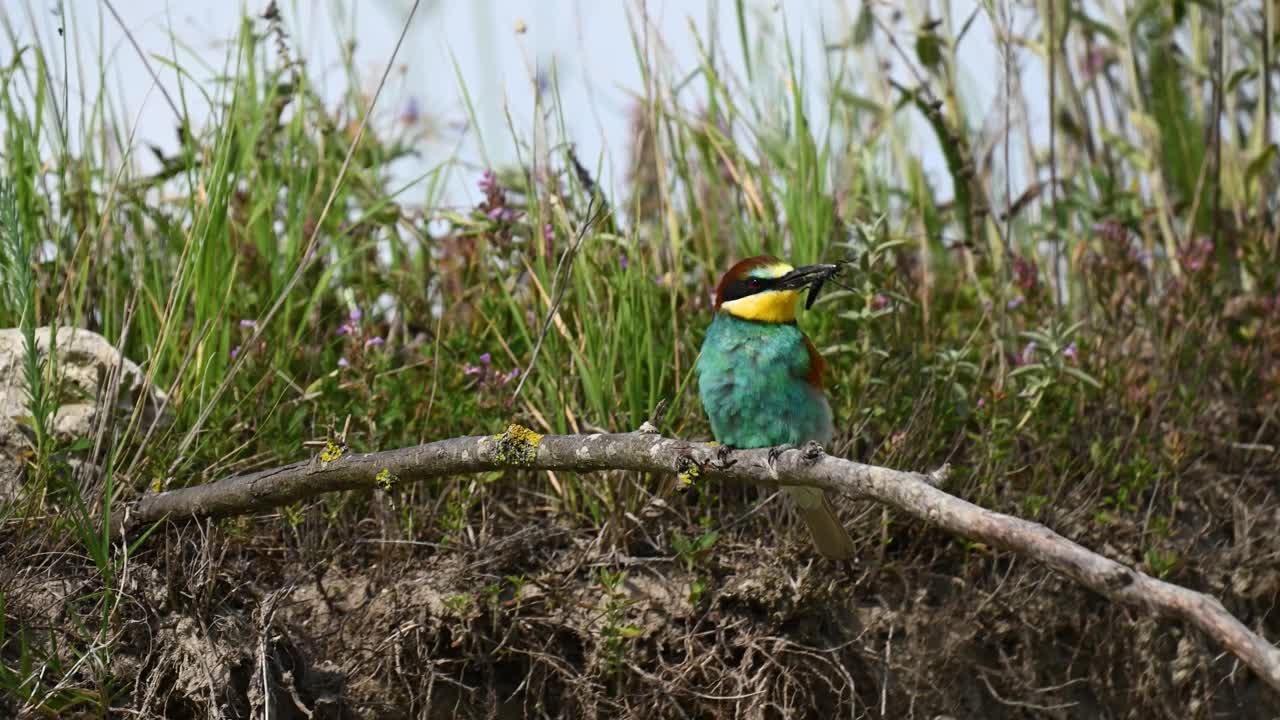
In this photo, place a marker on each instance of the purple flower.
(1014, 302)
(352, 326)
(488, 182)
(471, 370)
(1197, 257)
(623, 262)
(542, 81)
(248, 323)
(342, 362)
(1025, 273)
(1070, 352)
(548, 234)
(373, 342)
(982, 402)
(1027, 355)
(879, 302)
(1111, 231)
(411, 112)
(235, 351)
(1140, 255)
(1094, 62)
(486, 358)
(500, 213)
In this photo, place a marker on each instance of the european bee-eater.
(760, 377)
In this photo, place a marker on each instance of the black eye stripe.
(747, 286)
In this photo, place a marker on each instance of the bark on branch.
(911, 493)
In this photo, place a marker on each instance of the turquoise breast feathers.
(751, 377)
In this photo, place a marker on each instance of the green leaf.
(831, 296)
(1261, 164)
(965, 28)
(857, 102)
(1061, 25)
(862, 27)
(929, 50)
(1095, 26)
(1029, 368)
(1082, 376)
(1140, 159)
(1240, 76)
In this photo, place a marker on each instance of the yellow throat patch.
(773, 306)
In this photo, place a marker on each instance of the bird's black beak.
(809, 276)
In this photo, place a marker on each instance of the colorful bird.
(760, 377)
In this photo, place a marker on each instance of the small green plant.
(518, 584)
(18, 282)
(692, 552)
(1044, 365)
(459, 604)
(615, 633)
(294, 516)
(1161, 563)
(1034, 503)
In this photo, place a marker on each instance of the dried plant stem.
(1051, 46)
(911, 493)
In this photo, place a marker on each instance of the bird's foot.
(776, 451)
(813, 452)
(722, 460)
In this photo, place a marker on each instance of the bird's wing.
(817, 369)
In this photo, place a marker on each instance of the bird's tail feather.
(829, 535)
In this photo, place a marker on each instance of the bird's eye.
(753, 283)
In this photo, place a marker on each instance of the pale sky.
(589, 43)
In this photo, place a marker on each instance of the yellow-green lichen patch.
(332, 451)
(384, 479)
(517, 446)
(687, 471)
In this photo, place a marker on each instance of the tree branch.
(911, 493)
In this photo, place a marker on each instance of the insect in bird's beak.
(809, 276)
